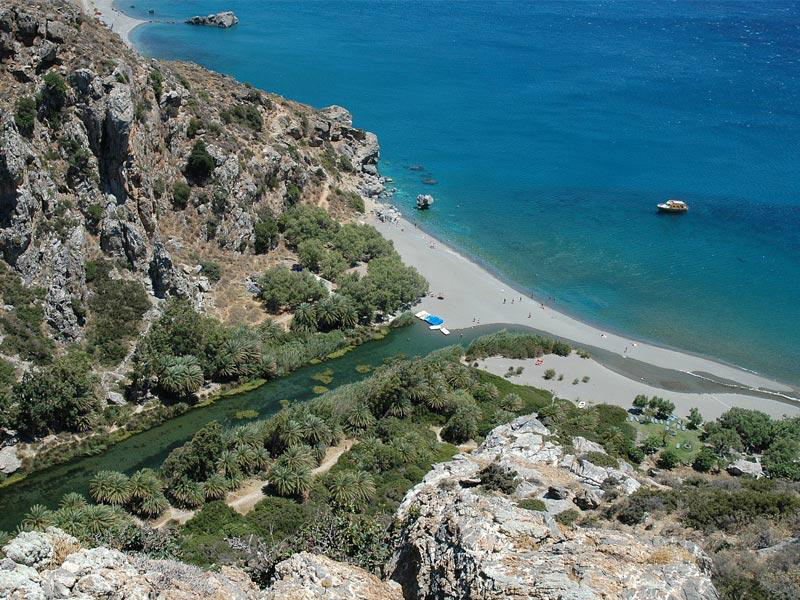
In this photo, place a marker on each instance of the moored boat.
(673, 206)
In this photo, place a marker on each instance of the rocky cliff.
(94, 149)
(460, 541)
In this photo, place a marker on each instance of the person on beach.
(504, 300)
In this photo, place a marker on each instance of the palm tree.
(144, 483)
(512, 402)
(406, 450)
(39, 518)
(71, 520)
(359, 417)
(327, 313)
(297, 458)
(341, 488)
(399, 407)
(228, 464)
(187, 493)
(72, 500)
(363, 486)
(458, 376)
(110, 487)
(291, 433)
(100, 518)
(305, 318)
(245, 458)
(315, 430)
(262, 459)
(282, 479)
(181, 376)
(153, 505)
(240, 356)
(215, 487)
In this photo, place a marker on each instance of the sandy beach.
(620, 367)
(117, 21)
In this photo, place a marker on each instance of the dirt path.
(173, 514)
(245, 498)
(467, 446)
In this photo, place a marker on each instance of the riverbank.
(116, 20)
(466, 295)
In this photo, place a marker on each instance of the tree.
(310, 252)
(640, 402)
(725, 440)
(180, 194)
(181, 376)
(302, 222)
(266, 234)
(755, 428)
(332, 265)
(695, 418)
(668, 459)
(282, 288)
(661, 408)
(186, 493)
(110, 487)
(60, 397)
(782, 459)
(652, 444)
(305, 318)
(215, 487)
(52, 97)
(200, 163)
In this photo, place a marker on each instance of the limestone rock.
(223, 19)
(307, 576)
(463, 542)
(742, 466)
(9, 462)
(424, 201)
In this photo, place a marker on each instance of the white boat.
(673, 206)
(445, 331)
(435, 327)
(423, 314)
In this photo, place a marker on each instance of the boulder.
(9, 462)
(742, 466)
(307, 576)
(424, 201)
(222, 19)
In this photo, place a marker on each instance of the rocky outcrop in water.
(424, 201)
(459, 541)
(222, 19)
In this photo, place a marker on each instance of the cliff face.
(89, 169)
(460, 541)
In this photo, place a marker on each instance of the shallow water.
(150, 448)
(553, 129)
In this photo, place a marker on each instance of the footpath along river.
(151, 447)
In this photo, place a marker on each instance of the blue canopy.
(434, 320)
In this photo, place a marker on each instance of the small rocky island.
(223, 19)
(424, 201)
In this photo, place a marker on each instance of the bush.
(275, 518)
(532, 504)
(495, 478)
(194, 126)
(157, 83)
(25, 116)
(668, 459)
(515, 345)
(52, 97)
(180, 195)
(211, 269)
(705, 461)
(549, 373)
(568, 517)
(293, 193)
(200, 163)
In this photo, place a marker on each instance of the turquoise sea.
(553, 129)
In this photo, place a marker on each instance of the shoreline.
(472, 295)
(116, 20)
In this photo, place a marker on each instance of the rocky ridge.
(93, 173)
(223, 19)
(459, 541)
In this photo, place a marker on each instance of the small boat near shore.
(673, 206)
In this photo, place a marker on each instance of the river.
(151, 447)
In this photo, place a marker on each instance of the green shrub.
(515, 345)
(194, 126)
(52, 97)
(117, 307)
(180, 194)
(705, 461)
(568, 517)
(293, 193)
(668, 459)
(211, 269)
(495, 478)
(532, 504)
(200, 163)
(549, 373)
(23, 333)
(157, 83)
(25, 116)
(94, 214)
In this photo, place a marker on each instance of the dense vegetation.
(516, 345)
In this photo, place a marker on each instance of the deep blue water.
(553, 129)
